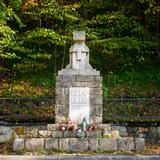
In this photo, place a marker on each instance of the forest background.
(123, 37)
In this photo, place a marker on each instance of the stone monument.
(78, 100)
(78, 87)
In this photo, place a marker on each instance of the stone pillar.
(63, 85)
(78, 87)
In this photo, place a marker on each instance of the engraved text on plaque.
(79, 104)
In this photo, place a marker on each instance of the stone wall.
(52, 138)
(150, 134)
(79, 145)
(64, 82)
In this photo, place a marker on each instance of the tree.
(36, 34)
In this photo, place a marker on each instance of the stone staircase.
(102, 138)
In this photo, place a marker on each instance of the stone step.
(55, 127)
(60, 134)
(53, 131)
(71, 134)
(79, 144)
(68, 134)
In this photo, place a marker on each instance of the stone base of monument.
(78, 96)
(103, 138)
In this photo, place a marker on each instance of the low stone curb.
(79, 157)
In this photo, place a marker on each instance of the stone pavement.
(78, 157)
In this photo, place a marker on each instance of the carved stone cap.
(79, 57)
(79, 35)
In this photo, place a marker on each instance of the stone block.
(108, 144)
(69, 134)
(78, 72)
(51, 143)
(98, 78)
(66, 84)
(53, 127)
(152, 132)
(96, 100)
(78, 36)
(9, 136)
(157, 134)
(142, 129)
(88, 84)
(122, 129)
(130, 144)
(132, 129)
(134, 135)
(61, 109)
(69, 78)
(93, 134)
(63, 144)
(59, 79)
(78, 145)
(61, 100)
(4, 130)
(97, 84)
(18, 145)
(93, 144)
(33, 144)
(142, 135)
(59, 119)
(59, 84)
(32, 132)
(82, 84)
(59, 91)
(104, 127)
(95, 120)
(115, 134)
(99, 110)
(92, 111)
(113, 127)
(139, 144)
(57, 134)
(62, 91)
(45, 134)
(123, 144)
(124, 134)
(126, 144)
(96, 91)
(85, 78)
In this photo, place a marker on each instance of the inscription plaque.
(79, 104)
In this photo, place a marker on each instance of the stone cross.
(79, 52)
